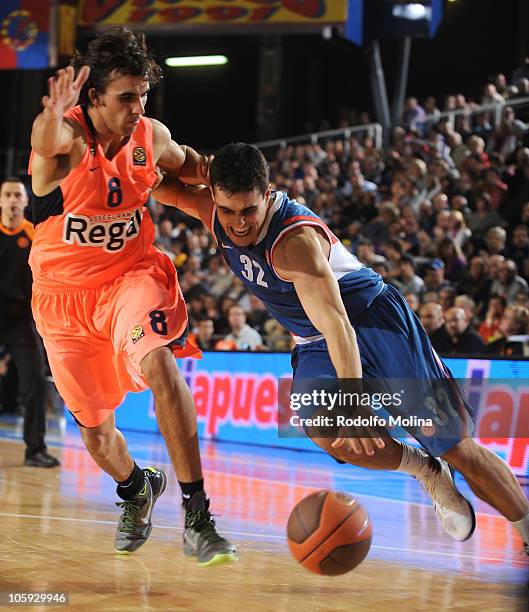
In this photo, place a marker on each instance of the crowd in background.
(442, 213)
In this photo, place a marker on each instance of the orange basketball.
(329, 533)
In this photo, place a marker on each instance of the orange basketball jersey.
(94, 226)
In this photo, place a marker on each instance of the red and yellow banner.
(155, 12)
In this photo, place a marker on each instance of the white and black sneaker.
(454, 511)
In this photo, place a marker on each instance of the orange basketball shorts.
(96, 338)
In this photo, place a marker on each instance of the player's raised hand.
(64, 89)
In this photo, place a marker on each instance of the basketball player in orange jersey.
(106, 302)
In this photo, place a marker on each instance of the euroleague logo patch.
(139, 157)
(137, 334)
(23, 242)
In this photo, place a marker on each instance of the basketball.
(329, 533)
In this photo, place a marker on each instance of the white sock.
(414, 461)
(523, 528)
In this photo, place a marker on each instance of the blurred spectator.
(409, 281)
(514, 329)
(413, 114)
(483, 218)
(463, 338)
(203, 337)
(509, 282)
(245, 337)
(435, 276)
(447, 297)
(518, 250)
(477, 283)
(413, 301)
(257, 315)
(489, 330)
(495, 241)
(491, 96)
(453, 259)
(432, 319)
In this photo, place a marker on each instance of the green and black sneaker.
(135, 526)
(201, 539)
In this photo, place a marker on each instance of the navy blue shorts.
(394, 345)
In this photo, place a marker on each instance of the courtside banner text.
(237, 397)
(152, 12)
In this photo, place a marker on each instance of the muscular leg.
(489, 477)
(108, 449)
(175, 411)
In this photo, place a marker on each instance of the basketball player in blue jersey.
(347, 324)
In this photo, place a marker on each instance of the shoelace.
(203, 522)
(127, 519)
(429, 486)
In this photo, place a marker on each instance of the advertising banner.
(156, 12)
(237, 397)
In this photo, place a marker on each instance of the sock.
(130, 488)
(189, 489)
(523, 527)
(414, 461)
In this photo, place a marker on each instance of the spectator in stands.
(454, 260)
(495, 241)
(203, 337)
(257, 315)
(489, 330)
(245, 337)
(366, 254)
(476, 283)
(469, 306)
(435, 279)
(432, 319)
(413, 114)
(514, 329)
(483, 218)
(518, 250)
(410, 282)
(509, 282)
(413, 301)
(463, 338)
(491, 96)
(447, 297)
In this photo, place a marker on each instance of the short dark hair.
(118, 49)
(240, 167)
(11, 179)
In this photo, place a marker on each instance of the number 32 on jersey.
(251, 269)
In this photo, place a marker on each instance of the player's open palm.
(64, 89)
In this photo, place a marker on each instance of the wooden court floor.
(58, 525)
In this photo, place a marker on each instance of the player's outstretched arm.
(193, 200)
(51, 135)
(300, 258)
(177, 160)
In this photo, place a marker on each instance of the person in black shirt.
(463, 339)
(431, 315)
(17, 329)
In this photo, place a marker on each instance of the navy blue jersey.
(253, 265)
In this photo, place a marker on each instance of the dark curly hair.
(240, 167)
(118, 49)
